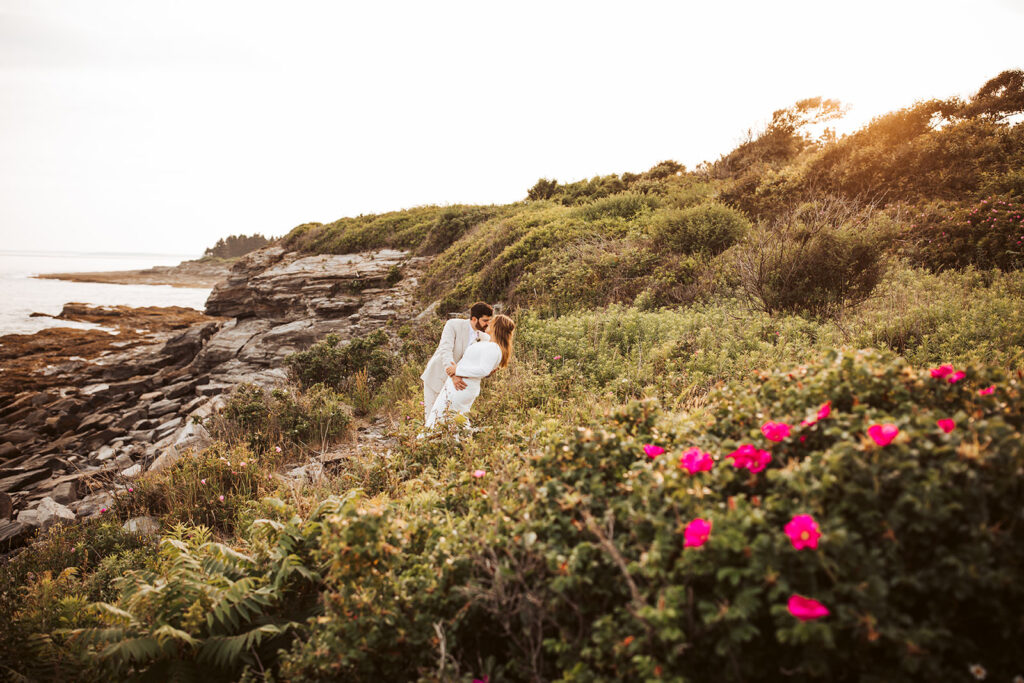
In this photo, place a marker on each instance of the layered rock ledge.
(84, 411)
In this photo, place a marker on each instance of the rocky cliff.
(82, 412)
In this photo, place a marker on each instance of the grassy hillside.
(790, 311)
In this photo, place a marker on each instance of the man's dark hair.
(480, 309)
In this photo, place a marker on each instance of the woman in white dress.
(480, 360)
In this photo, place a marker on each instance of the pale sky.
(145, 126)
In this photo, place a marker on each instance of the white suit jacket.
(458, 334)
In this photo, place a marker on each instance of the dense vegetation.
(234, 246)
(764, 421)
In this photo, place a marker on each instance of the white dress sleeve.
(480, 360)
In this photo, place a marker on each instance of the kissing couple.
(469, 350)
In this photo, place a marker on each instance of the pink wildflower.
(883, 434)
(987, 391)
(694, 460)
(242, 464)
(806, 609)
(956, 377)
(202, 481)
(479, 473)
(825, 410)
(775, 431)
(696, 533)
(803, 532)
(485, 679)
(942, 371)
(749, 457)
(947, 425)
(278, 448)
(221, 498)
(653, 451)
(558, 358)
(102, 510)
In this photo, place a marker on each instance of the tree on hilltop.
(236, 245)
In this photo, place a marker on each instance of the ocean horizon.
(24, 294)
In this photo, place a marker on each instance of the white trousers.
(429, 396)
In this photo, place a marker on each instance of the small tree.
(818, 259)
(544, 189)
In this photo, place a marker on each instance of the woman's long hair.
(503, 329)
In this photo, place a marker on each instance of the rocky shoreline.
(82, 412)
(198, 273)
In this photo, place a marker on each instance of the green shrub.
(963, 316)
(209, 488)
(625, 205)
(988, 235)
(210, 611)
(708, 228)
(451, 225)
(48, 586)
(590, 578)
(1009, 184)
(263, 420)
(330, 363)
(392, 585)
(821, 259)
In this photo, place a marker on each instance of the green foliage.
(234, 246)
(330, 363)
(427, 229)
(208, 611)
(263, 420)
(626, 205)
(208, 488)
(821, 259)
(589, 577)
(708, 228)
(967, 316)
(989, 234)
(49, 585)
(392, 582)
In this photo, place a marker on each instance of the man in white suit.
(458, 334)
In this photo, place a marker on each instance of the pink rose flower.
(696, 533)
(956, 377)
(987, 391)
(947, 425)
(803, 532)
(942, 371)
(694, 460)
(806, 609)
(775, 431)
(883, 434)
(653, 451)
(479, 473)
(749, 457)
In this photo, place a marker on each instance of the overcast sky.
(144, 126)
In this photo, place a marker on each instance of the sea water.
(21, 294)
